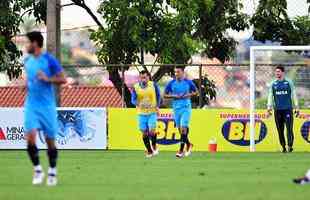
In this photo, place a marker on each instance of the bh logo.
(167, 133)
(305, 131)
(237, 131)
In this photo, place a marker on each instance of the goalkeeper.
(281, 97)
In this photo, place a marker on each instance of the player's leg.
(177, 113)
(278, 114)
(185, 120)
(33, 153)
(153, 136)
(188, 143)
(147, 144)
(183, 138)
(183, 130)
(52, 154)
(152, 121)
(289, 121)
(31, 125)
(49, 122)
(143, 126)
(32, 149)
(303, 180)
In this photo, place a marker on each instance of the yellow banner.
(229, 127)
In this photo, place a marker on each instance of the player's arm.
(171, 96)
(57, 79)
(134, 97)
(157, 92)
(57, 73)
(294, 98)
(270, 100)
(193, 91)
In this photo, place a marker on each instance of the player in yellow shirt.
(146, 97)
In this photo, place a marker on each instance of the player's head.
(179, 72)
(280, 72)
(35, 41)
(144, 77)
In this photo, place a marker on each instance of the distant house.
(243, 50)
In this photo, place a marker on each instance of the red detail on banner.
(2, 136)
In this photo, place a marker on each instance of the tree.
(271, 22)
(208, 91)
(300, 34)
(12, 12)
(170, 30)
(210, 22)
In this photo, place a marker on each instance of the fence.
(94, 88)
(231, 81)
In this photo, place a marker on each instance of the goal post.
(253, 50)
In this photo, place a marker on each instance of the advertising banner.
(79, 128)
(229, 127)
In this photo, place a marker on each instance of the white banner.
(79, 128)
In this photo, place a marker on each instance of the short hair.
(144, 72)
(36, 36)
(280, 67)
(180, 67)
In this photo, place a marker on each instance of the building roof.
(77, 96)
(11, 96)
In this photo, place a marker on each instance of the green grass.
(113, 175)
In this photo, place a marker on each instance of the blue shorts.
(44, 119)
(182, 117)
(147, 122)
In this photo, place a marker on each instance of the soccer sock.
(147, 144)
(154, 139)
(52, 171)
(183, 141)
(38, 168)
(187, 140)
(33, 153)
(52, 156)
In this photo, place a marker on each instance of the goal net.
(263, 62)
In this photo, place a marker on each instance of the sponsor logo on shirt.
(281, 92)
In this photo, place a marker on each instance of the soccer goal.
(263, 60)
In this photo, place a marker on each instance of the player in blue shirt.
(180, 90)
(42, 71)
(281, 97)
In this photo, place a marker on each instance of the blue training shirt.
(41, 93)
(180, 87)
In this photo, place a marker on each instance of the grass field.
(112, 175)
